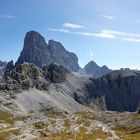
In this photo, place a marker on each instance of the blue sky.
(106, 31)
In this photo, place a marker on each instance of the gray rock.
(121, 90)
(2, 68)
(3, 63)
(116, 91)
(56, 73)
(37, 51)
(95, 70)
(10, 66)
(27, 75)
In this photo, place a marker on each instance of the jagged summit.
(2, 63)
(2, 68)
(37, 51)
(91, 66)
(95, 70)
(34, 38)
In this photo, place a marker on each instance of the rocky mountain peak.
(33, 37)
(93, 68)
(105, 67)
(28, 75)
(37, 51)
(53, 43)
(2, 68)
(92, 65)
(2, 63)
(10, 66)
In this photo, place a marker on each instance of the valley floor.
(54, 125)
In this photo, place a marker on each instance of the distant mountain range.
(46, 94)
(37, 51)
(117, 90)
(95, 70)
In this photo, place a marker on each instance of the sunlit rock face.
(28, 75)
(95, 70)
(121, 90)
(37, 51)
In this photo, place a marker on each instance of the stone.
(37, 51)
(10, 66)
(28, 75)
(95, 70)
(2, 68)
(56, 73)
(120, 90)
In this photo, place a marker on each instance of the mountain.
(52, 86)
(2, 63)
(95, 70)
(45, 99)
(53, 102)
(116, 91)
(37, 51)
(120, 90)
(2, 68)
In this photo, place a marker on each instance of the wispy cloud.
(122, 35)
(101, 34)
(108, 17)
(106, 34)
(91, 54)
(119, 34)
(132, 39)
(89, 34)
(7, 16)
(72, 26)
(58, 30)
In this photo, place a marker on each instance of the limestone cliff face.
(37, 51)
(27, 75)
(121, 90)
(62, 57)
(116, 91)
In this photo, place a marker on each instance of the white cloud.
(7, 16)
(101, 34)
(58, 30)
(108, 17)
(117, 34)
(72, 26)
(123, 35)
(132, 39)
(90, 34)
(90, 54)
(106, 34)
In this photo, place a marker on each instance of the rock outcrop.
(2, 68)
(120, 89)
(26, 76)
(47, 71)
(10, 66)
(95, 70)
(116, 91)
(37, 51)
(2, 64)
(55, 73)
